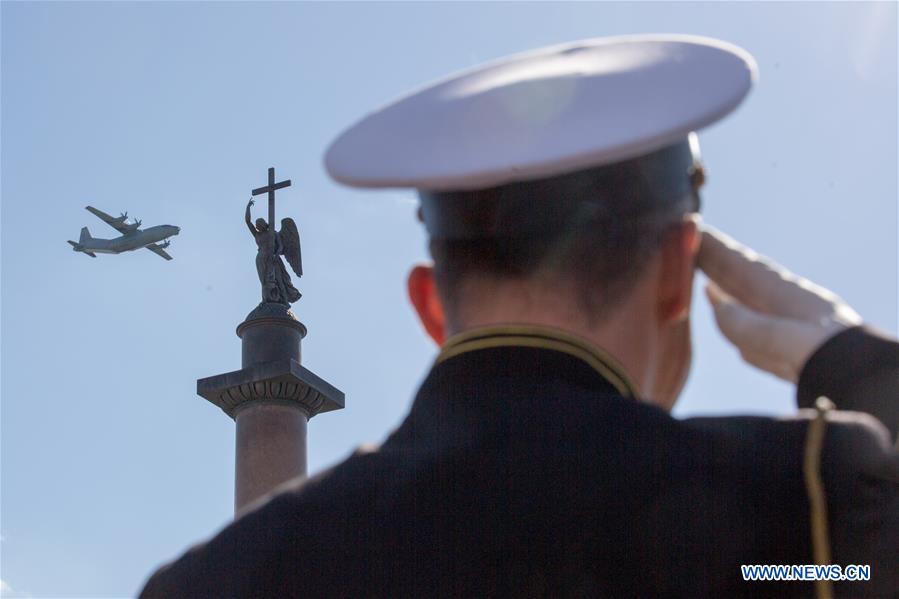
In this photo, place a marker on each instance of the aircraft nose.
(177, 230)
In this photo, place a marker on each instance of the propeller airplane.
(132, 238)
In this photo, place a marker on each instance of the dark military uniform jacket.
(527, 467)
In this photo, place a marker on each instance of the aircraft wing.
(115, 223)
(158, 251)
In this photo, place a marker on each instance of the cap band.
(612, 191)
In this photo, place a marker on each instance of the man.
(560, 192)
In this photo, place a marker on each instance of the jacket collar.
(542, 338)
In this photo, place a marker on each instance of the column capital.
(280, 380)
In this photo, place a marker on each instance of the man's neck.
(625, 334)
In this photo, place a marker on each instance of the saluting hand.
(775, 318)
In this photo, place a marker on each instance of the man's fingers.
(779, 345)
(760, 283)
(775, 318)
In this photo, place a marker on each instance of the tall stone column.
(271, 398)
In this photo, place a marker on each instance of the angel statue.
(276, 285)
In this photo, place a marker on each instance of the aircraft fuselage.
(130, 241)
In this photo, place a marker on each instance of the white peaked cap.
(545, 112)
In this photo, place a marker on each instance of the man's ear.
(678, 266)
(423, 295)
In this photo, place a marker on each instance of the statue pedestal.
(271, 399)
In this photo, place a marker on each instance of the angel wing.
(290, 245)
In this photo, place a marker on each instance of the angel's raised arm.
(249, 218)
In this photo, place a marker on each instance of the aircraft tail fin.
(85, 235)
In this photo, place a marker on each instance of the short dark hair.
(601, 252)
(593, 230)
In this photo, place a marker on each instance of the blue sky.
(110, 462)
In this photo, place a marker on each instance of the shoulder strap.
(814, 485)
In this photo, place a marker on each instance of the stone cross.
(270, 190)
